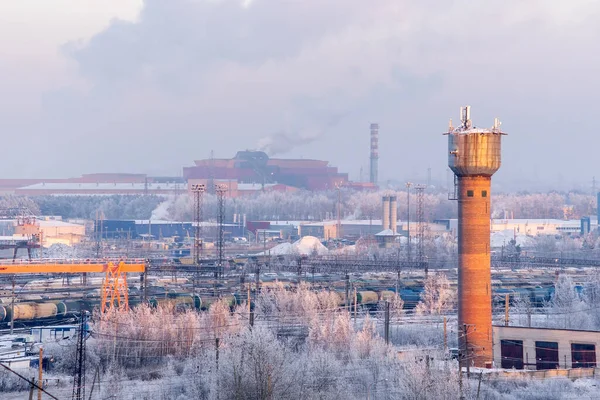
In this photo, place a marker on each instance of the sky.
(149, 86)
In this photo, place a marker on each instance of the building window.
(484, 193)
(469, 193)
(583, 355)
(546, 355)
(512, 353)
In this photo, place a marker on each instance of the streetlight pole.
(408, 186)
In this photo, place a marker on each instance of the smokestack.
(598, 209)
(385, 219)
(474, 156)
(393, 214)
(374, 171)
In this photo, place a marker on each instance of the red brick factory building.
(257, 167)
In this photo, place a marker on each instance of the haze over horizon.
(129, 86)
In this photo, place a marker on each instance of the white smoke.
(161, 212)
(288, 139)
(282, 142)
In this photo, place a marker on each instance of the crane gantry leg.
(114, 288)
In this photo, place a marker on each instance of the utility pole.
(347, 298)
(387, 322)
(408, 186)
(144, 279)
(506, 306)
(12, 306)
(355, 306)
(198, 191)
(217, 352)
(220, 190)
(445, 335)
(421, 227)
(338, 227)
(40, 373)
(96, 377)
(248, 299)
(465, 356)
(79, 379)
(257, 291)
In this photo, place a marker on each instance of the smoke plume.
(286, 140)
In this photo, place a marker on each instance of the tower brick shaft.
(374, 167)
(474, 156)
(385, 217)
(474, 273)
(394, 214)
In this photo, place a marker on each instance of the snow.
(308, 245)
(387, 232)
(281, 249)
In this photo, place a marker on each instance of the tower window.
(484, 193)
(469, 193)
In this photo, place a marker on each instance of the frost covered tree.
(566, 309)
(437, 298)
(522, 309)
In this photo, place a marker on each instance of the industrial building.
(532, 227)
(257, 167)
(103, 189)
(135, 229)
(50, 230)
(543, 348)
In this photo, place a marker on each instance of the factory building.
(135, 229)
(543, 348)
(532, 227)
(52, 231)
(90, 184)
(100, 189)
(257, 167)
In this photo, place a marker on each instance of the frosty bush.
(438, 297)
(9, 382)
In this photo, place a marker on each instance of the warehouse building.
(543, 349)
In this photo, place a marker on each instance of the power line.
(32, 383)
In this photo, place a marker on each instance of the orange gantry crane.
(114, 287)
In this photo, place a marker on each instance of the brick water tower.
(474, 156)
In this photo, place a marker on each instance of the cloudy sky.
(149, 86)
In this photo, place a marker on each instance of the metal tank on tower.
(474, 156)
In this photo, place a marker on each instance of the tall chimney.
(393, 214)
(474, 156)
(385, 218)
(374, 170)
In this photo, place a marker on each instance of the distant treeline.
(302, 205)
